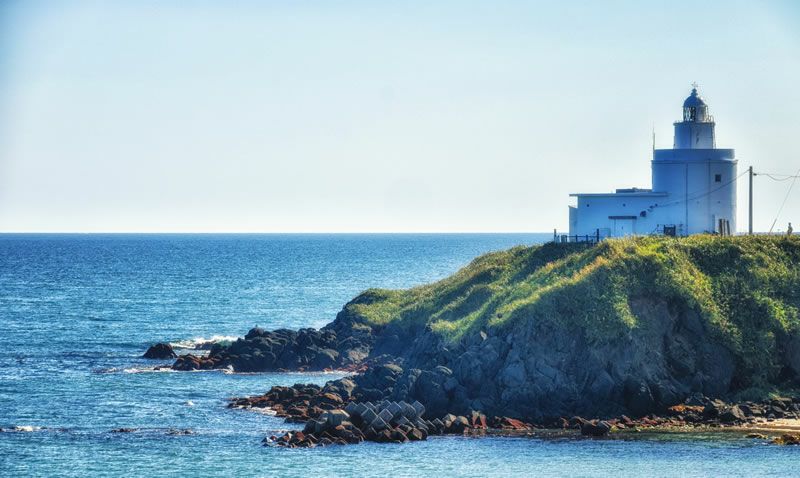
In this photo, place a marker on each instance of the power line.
(794, 180)
(703, 194)
(774, 178)
(777, 177)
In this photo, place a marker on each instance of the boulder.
(332, 400)
(429, 389)
(477, 420)
(733, 414)
(714, 408)
(788, 439)
(325, 359)
(160, 351)
(458, 425)
(595, 428)
(448, 420)
(380, 377)
(506, 423)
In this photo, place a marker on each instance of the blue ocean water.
(77, 312)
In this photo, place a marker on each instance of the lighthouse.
(693, 188)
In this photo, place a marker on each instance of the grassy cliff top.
(746, 288)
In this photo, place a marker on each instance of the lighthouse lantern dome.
(695, 109)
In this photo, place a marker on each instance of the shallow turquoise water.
(76, 312)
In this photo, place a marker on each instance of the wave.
(24, 428)
(142, 370)
(202, 343)
(133, 370)
(169, 370)
(158, 369)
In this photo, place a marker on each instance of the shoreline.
(332, 415)
(533, 338)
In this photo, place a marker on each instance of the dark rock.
(638, 397)
(732, 414)
(327, 400)
(595, 428)
(714, 408)
(788, 439)
(429, 389)
(506, 423)
(477, 420)
(696, 399)
(457, 425)
(781, 402)
(398, 436)
(305, 349)
(175, 432)
(160, 351)
(747, 410)
(382, 377)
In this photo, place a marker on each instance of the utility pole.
(750, 210)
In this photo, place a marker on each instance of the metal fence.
(587, 238)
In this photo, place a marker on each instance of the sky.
(375, 116)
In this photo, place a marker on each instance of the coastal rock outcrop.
(161, 351)
(282, 350)
(624, 328)
(331, 418)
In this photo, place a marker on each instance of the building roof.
(637, 193)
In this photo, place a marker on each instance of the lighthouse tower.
(699, 177)
(693, 190)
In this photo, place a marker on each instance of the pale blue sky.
(374, 116)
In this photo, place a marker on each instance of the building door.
(624, 227)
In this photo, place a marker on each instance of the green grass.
(746, 289)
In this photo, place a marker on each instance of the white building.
(693, 190)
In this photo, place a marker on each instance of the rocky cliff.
(627, 326)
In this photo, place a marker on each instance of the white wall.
(696, 198)
(592, 213)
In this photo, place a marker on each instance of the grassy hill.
(746, 290)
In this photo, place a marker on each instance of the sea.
(78, 310)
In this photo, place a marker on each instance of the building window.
(717, 178)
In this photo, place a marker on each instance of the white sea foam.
(202, 343)
(144, 370)
(25, 428)
(264, 411)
